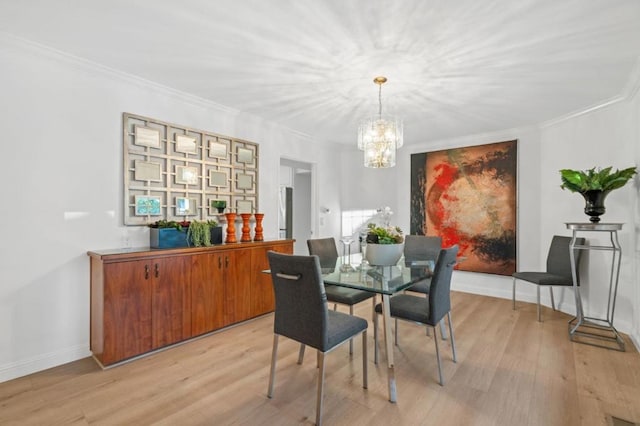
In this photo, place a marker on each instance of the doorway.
(296, 201)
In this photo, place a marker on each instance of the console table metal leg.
(597, 331)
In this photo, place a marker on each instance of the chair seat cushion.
(421, 286)
(342, 327)
(407, 307)
(543, 278)
(346, 296)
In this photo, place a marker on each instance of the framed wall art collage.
(173, 172)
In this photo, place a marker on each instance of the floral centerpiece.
(385, 244)
(384, 234)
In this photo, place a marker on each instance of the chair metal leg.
(365, 371)
(301, 353)
(453, 341)
(553, 303)
(320, 388)
(351, 340)
(539, 316)
(272, 374)
(435, 339)
(443, 330)
(513, 296)
(375, 338)
(428, 332)
(335, 306)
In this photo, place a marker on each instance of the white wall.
(61, 186)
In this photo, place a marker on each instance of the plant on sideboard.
(219, 205)
(594, 185)
(168, 234)
(203, 233)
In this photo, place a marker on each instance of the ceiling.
(455, 67)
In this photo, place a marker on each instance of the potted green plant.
(594, 185)
(205, 233)
(385, 245)
(219, 205)
(168, 234)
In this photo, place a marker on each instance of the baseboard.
(42, 362)
(563, 304)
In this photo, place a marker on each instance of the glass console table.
(588, 330)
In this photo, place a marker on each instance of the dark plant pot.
(594, 204)
(167, 238)
(216, 235)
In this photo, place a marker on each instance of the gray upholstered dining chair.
(429, 311)
(558, 271)
(420, 248)
(301, 314)
(325, 249)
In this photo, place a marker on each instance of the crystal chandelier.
(380, 136)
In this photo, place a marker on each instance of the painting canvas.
(467, 196)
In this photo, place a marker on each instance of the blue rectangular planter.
(168, 238)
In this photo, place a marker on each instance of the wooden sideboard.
(145, 299)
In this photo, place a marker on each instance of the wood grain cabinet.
(145, 305)
(142, 300)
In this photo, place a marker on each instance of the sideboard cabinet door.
(127, 310)
(207, 292)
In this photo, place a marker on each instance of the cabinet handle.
(146, 272)
(157, 270)
(226, 261)
(220, 263)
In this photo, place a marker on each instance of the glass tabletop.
(378, 279)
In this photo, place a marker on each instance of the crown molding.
(628, 92)
(112, 73)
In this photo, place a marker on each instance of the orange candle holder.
(258, 235)
(246, 236)
(231, 228)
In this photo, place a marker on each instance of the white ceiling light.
(379, 137)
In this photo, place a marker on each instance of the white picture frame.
(147, 205)
(186, 144)
(146, 136)
(218, 150)
(186, 206)
(186, 175)
(218, 178)
(147, 171)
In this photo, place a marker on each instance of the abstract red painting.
(467, 196)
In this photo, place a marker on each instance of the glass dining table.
(383, 280)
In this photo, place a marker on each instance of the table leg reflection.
(388, 344)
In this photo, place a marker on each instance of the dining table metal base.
(388, 344)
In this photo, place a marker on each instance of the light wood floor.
(511, 370)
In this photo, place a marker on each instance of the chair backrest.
(301, 302)
(325, 249)
(440, 290)
(421, 247)
(559, 260)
